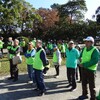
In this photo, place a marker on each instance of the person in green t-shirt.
(72, 55)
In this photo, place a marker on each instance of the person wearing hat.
(72, 54)
(56, 60)
(30, 53)
(13, 51)
(89, 59)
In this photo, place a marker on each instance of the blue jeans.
(40, 80)
(31, 73)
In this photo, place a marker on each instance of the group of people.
(85, 60)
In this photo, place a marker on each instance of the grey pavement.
(56, 88)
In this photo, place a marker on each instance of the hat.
(31, 43)
(71, 42)
(89, 38)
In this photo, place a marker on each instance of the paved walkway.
(57, 90)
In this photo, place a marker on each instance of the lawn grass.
(4, 65)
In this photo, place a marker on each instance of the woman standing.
(56, 60)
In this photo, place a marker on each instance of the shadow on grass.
(21, 89)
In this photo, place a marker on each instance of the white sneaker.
(30, 82)
(57, 76)
(73, 89)
(45, 74)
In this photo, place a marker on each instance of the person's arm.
(58, 56)
(26, 55)
(11, 51)
(77, 54)
(94, 59)
(66, 53)
(32, 54)
(43, 57)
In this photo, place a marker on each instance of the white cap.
(71, 42)
(89, 38)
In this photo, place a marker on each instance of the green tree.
(9, 14)
(74, 10)
(97, 14)
(16, 16)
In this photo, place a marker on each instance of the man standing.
(72, 54)
(89, 59)
(56, 60)
(14, 50)
(39, 63)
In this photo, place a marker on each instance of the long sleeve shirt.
(71, 57)
(94, 57)
(32, 54)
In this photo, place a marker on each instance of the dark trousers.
(13, 70)
(80, 72)
(63, 55)
(1, 53)
(71, 75)
(57, 69)
(39, 78)
(88, 77)
(2, 50)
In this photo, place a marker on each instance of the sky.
(91, 5)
